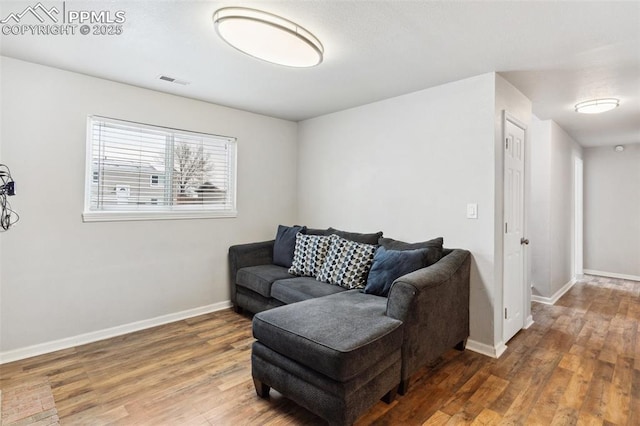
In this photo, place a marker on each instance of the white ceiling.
(556, 53)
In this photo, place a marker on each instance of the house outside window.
(138, 171)
(155, 180)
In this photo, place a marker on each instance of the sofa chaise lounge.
(336, 350)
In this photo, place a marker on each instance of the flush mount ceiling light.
(596, 106)
(268, 37)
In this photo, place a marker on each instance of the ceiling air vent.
(173, 80)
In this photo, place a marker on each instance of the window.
(138, 171)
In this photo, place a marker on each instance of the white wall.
(509, 100)
(62, 277)
(562, 227)
(540, 198)
(553, 192)
(612, 210)
(408, 166)
(1, 233)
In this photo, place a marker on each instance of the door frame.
(526, 299)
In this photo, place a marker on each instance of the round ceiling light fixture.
(268, 37)
(596, 106)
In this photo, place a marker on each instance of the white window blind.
(138, 171)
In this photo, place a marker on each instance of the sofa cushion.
(340, 335)
(317, 231)
(434, 246)
(347, 263)
(285, 244)
(357, 236)
(254, 302)
(294, 290)
(391, 264)
(260, 278)
(309, 254)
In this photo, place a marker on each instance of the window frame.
(158, 211)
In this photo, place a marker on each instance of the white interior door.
(513, 284)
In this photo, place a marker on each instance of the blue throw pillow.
(285, 244)
(391, 264)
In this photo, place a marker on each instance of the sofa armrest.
(407, 289)
(243, 255)
(433, 303)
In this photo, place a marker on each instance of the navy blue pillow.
(391, 264)
(285, 244)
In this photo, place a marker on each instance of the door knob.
(524, 241)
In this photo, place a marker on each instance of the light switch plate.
(472, 211)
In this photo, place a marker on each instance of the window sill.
(118, 216)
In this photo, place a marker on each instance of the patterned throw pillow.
(309, 254)
(347, 263)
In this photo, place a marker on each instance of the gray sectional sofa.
(336, 351)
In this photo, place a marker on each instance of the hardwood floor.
(578, 364)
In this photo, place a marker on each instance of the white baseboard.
(528, 322)
(94, 336)
(612, 275)
(556, 296)
(487, 350)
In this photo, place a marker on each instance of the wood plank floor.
(578, 364)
